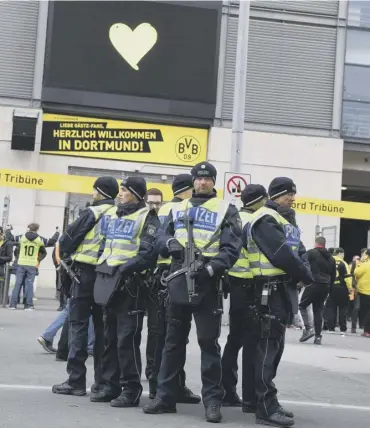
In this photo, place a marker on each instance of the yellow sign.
(133, 45)
(81, 184)
(324, 207)
(125, 141)
(61, 182)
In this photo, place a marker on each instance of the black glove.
(175, 248)
(203, 274)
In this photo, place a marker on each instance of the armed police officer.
(128, 251)
(182, 188)
(81, 242)
(202, 234)
(242, 313)
(273, 251)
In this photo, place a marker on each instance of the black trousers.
(315, 294)
(338, 301)
(365, 311)
(82, 305)
(123, 324)
(160, 341)
(208, 324)
(270, 348)
(153, 331)
(242, 334)
(62, 350)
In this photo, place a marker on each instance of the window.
(356, 83)
(358, 47)
(359, 13)
(356, 120)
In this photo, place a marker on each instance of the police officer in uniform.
(128, 251)
(242, 313)
(182, 188)
(216, 230)
(82, 241)
(273, 250)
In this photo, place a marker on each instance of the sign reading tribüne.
(126, 141)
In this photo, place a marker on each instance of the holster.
(271, 327)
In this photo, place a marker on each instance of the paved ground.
(327, 386)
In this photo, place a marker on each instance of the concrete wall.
(314, 163)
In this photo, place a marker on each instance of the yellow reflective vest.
(241, 269)
(163, 213)
(259, 263)
(123, 238)
(88, 250)
(207, 219)
(347, 280)
(29, 251)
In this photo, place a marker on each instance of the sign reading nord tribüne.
(125, 141)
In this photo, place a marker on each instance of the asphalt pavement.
(325, 386)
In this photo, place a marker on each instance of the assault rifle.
(69, 271)
(191, 260)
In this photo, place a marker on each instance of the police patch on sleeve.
(151, 230)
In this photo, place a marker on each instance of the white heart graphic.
(133, 45)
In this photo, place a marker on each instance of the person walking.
(323, 270)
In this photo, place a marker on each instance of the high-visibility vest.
(207, 222)
(259, 263)
(241, 269)
(123, 238)
(88, 251)
(29, 251)
(347, 279)
(163, 213)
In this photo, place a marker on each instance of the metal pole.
(240, 86)
(239, 104)
(6, 286)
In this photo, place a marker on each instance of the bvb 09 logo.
(187, 148)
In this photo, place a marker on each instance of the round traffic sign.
(235, 185)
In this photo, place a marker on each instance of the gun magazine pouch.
(178, 291)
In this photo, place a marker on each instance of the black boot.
(127, 399)
(231, 400)
(248, 407)
(158, 406)
(285, 412)
(213, 413)
(275, 420)
(188, 397)
(66, 389)
(104, 395)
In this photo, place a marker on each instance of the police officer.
(128, 251)
(82, 241)
(182, 188)
(242, 313)
(273, 251)
(216, 228)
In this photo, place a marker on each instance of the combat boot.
(213, 413)
(248, 407)
(127, 399)
(158, 406)
(188, 397)
(66, 389)
(103, 395)
(277, 419)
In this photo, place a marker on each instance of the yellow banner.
(124, 141)
(81, 184)
(61, 182)
(327, 207)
